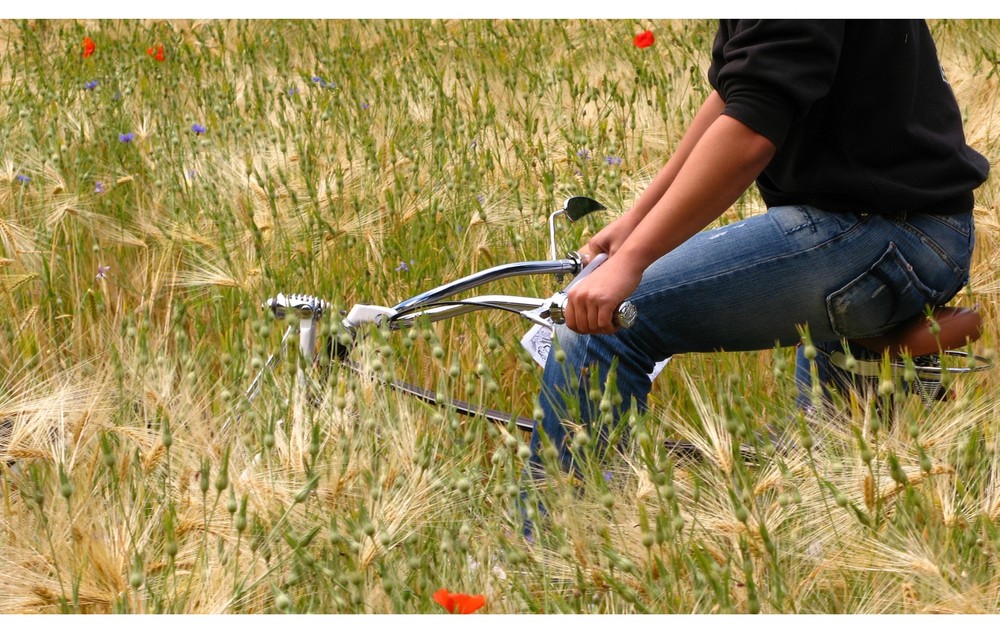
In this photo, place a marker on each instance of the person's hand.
(607, 240)
(591, 304)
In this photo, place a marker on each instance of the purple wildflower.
(292, 91)
(102, 272)
(126, 138)
(584, 154)
(365, 106)
(613, 160)
(90, 85)
(402, 268)
(197, 128)
(318, 80)
(23, 179)
(99, 187)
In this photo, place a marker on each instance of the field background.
(148, 206)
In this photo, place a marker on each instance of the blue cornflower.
(99, 187)
(365, 106)
(613, 160)
(198, 129)
(318, 80)
(24, 179)
(90, 85)
(292, 91)
(126, 138)
(402, 268)
(583, 153)
(102, 272)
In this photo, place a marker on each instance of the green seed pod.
(135, 579)
(867, 455)
(925, 463)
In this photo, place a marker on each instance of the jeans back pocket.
(885, 295)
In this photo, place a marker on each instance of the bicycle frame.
(438, 304)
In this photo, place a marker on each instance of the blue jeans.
(750, 286)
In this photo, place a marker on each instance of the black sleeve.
(770, 72)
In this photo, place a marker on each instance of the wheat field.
(159, 180)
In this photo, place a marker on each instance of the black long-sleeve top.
(860, 111)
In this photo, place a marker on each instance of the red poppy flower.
(459, 602)
(644, 39)
(88, 47)
(156, 53)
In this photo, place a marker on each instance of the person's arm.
(609, 239)
(722, 161)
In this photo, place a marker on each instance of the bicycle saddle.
(956, 327)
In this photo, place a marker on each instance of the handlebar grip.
(625, 315)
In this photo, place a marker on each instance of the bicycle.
(924, 353)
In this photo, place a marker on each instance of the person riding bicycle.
(855, 141)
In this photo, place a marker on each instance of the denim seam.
(934, 246)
